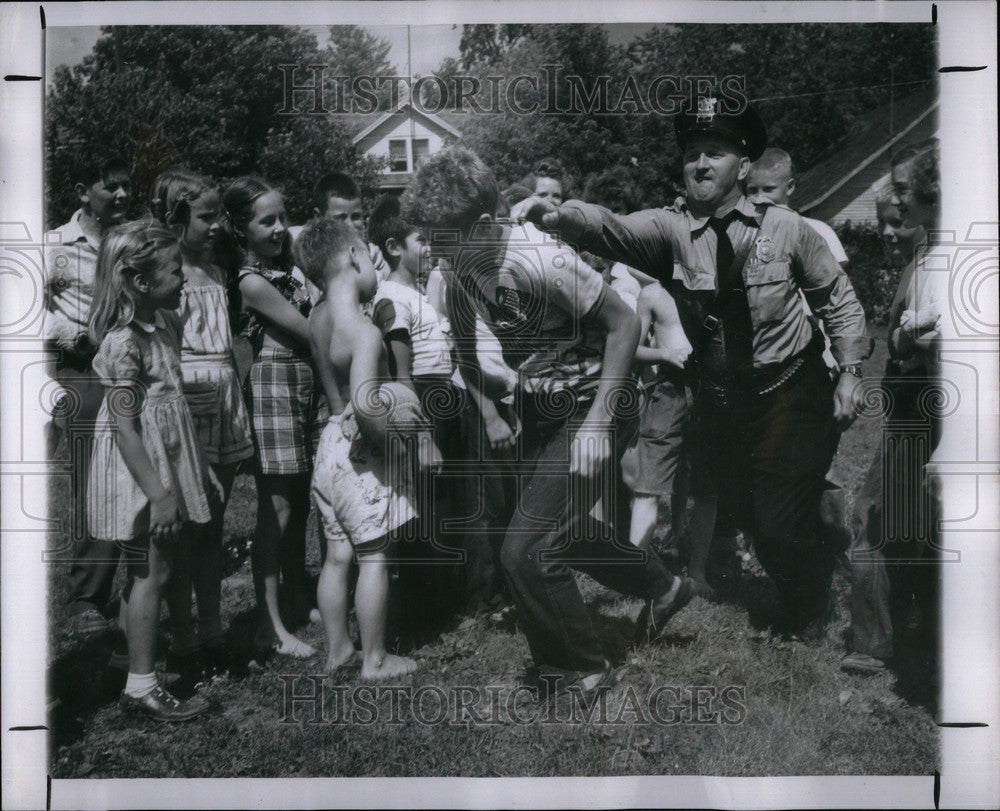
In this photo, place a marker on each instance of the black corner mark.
(933, 13)
(17, 77)
(937, 789)
(962, 724)
(27, 728)
(48, 792)
(41, 14)
(961, 68)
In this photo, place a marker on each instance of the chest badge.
(765, 249)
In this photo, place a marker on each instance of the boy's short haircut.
(89, 172)
(336, 184)
(387, 222)
(775, 158)
(453, 189)
(321, 242)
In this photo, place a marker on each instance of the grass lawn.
(791, 710)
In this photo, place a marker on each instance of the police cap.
(743, 128)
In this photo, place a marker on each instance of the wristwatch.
(851, 369)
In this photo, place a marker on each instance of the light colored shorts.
(359, 495)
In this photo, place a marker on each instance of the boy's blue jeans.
(552, 532)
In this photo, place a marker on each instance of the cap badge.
(765, 249)
(706, 110)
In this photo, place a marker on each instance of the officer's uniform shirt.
(794, 258)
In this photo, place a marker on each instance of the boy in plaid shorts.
(359, 485)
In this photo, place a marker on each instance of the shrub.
(874, 279)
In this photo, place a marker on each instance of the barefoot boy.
(361, 498)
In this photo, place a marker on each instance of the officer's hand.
(846, 400)
(537, 211)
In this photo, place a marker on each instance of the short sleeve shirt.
(398, 308)
(830, 237)
(625, 285)
(536, 305)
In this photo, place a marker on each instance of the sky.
(429, 44)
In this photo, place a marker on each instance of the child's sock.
(138, 685)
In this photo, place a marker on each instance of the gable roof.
(406, 107)
(871, 137)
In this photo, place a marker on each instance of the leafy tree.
(809, 81)
(208, 97)
(511, 141)
(354, 52)
(305, 148)
(483, 45)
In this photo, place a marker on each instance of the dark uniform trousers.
(768, 456)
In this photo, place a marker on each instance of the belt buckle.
(711, 323)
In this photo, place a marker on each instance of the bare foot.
(339, 657)
(387, 667)
(294, 647)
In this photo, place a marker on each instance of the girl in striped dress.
(190, 206)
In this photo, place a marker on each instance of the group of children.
(369, 381)
(213, 350)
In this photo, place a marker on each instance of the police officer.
(770, 415)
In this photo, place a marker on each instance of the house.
(405, 136)
(841, 188)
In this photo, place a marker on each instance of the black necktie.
(724, 253)
(737, 330)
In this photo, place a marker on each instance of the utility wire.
(840, 90)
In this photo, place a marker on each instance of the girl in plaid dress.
(272, 308)
(190, 206)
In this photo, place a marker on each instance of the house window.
(421, 152)
(397, 156)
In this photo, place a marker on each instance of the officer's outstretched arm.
(640, 240)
